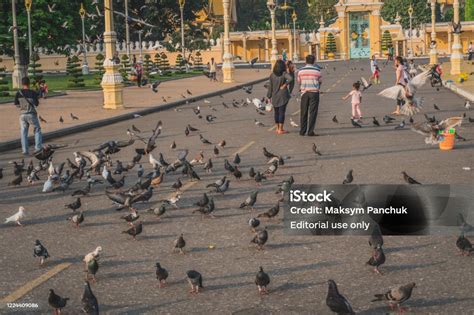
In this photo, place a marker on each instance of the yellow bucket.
(448, 140)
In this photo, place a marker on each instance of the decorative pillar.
(274, 54)
(244, 45)
(456, 53)
(112, 80)
(375, 33)
(450, 39)
(322, 44)
(290, 45)
(295, 52)
(433, 52)
(267, 56)
(18, 70)
(228, 68)
(344, 34)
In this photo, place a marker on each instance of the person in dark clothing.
(279, 94)
(27, 101)
(309, 78)
(139, 72)
(291, 69)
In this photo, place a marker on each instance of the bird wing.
(394, 92)
(91, 157)
(418, 81)
(364, 81)
(423, 128)
(451, 122)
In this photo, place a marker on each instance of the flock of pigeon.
(100, 167)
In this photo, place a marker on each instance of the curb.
(14, 144)
(461, 92)
(51, 96)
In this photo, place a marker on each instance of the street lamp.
(127, 30)
(228, 62)
(85, 66)
(410, 13)
(28, 4)
(181, 9)
(295, 49)
(274, 54)
(17, 74)
(456, 51)
(433, 52)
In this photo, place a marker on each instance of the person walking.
(139, 73)
(355, 101)
(212, 70)
(27, 101)
(470, 51)
(310, 80)
(373, 66)
(401, 79)
(279, 93)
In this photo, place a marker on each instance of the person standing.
(212, 70)
(139, 73)
(309, 78)
(27, 101)
(279, 94)
(373, 66)
(284, 55)
(356, 99)
(470, 51)
(401, 79)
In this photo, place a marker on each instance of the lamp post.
(17, 74)
(295, 49)
(181, 9)
(112, 80)
(456, 51)
(85, 66)
(127, 30)
(140, 32)
(433, 52)
(228, 62)
(28, 4)
(410, 13)
(274, 54)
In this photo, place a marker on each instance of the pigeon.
(74, 117)
(376, 238)
(467, 105)
(177, 185)
(253, 61)
(396, 296)
(293, 124)
(355, 123)
(204, 140)
(154, 86)
(208, 166)
(89, 301)
(250, 201)
(271, 169)
(131, 217)
(315, 150)
(400, 126)
(334, 119)
(349, 178)
(203, 201)
(248, 89)
(77, 219)
(410, 180)
(84, 191)
(259, 177)
(17, 217)
(433, 130)
(375, 122)
(365, 84)
(179, 244)
(336, 302)
(259, 123)
(254, 223)
(92, 255)
(465, 227)
(464, 245)
(272, 212)
(159, 212)
(172, 201)
(222, 144)
(42, 119)
(140, 171)
(436, 107)
(260, 238)
(74, 205)
(61, 120)
(41, 252)
(262, 280)
(208, 209)
(252, 172)
(56, 302)
(134, 230)
(387, 119)
(210, 118)
(16, 181)
(92, 268)
(194, 280)
(377, 259)
(161, 275)
(237, 173)
(228, 167)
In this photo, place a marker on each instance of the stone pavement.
(88, 105)
(299, 266)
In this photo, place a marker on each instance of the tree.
(147, 66)
(195, 38)
(164, 64)
(157, 60)
(34, 70)
(386, 40)
(99, 67)
(3, 82)
(198, 60)
(330, 44)
(74, 71)
(469, 10)
(421, 12)
(125, 68)
(179, 63)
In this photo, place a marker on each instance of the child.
(355, 101)
(377, 75)
(411, 69)
(43, 89)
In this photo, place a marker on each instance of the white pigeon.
(467, 105)
(48, 185)
(154, 162)
(412, 104)
(51, 169)
(93, 255)
(258, 103)
(259, 123)
(172, 201)
(207, 101)
(105, 173)
(293, 124)
(17, 216)
(137, 115)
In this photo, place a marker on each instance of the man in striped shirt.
(309, 78)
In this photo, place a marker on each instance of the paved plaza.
(219, 248)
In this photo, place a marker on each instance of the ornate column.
(18, 70)
(375, 36)
(228, 68)
(322, 44)
(290, 45)
(112, 80)
(433, 52)
(274, 54)
(295, 54)
(344, 34)
(456, 53)
(267, 55)
(450, 41)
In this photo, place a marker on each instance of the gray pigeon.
(336, 301)
(262, 279)
(89, 301)
(195, 281)
(396, 296)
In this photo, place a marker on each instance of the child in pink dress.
(355, 100)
